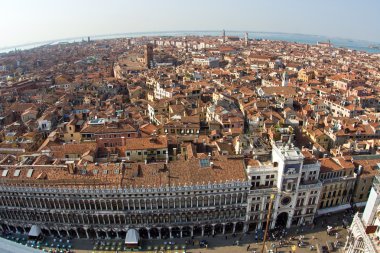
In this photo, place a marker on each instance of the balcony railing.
(310, 184)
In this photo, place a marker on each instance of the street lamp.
(268, 219)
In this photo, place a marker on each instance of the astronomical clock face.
(285, 201)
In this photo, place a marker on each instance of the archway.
(197, 231)
(218, 229)
(91, 233)
(165, 233)
(186, 231)
(54, 232)
(12, 229)
(82, 233)
(45, 232)
(208, 230)
(252, 227)
(281, 220)
(153, 233)
(176, 232)
(143, 233)
(228, 228)
(239, 227)
(122, 234)
(20, 229)
(4, 227)
(63, 233)
(102, 234)
(359, 245)
(112, 234)
(72, 233)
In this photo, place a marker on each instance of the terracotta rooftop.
(190, 172)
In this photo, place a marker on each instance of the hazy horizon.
(25, 22)
(143, 33)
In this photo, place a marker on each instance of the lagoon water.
(359, 45)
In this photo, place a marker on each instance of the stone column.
(97, 235)
(192, 231)
(347, 242)
(224, 228)
(213, 230)
(245, 229)
(159, 233)
(181, 233)
(203, 231)
(234, 227)
(170, 233)
(87, 234)
(289, 221)
(149, 237)
(76, 231)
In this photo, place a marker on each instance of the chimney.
(71, 168)
(360, 170)
(139, 171)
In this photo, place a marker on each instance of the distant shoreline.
(358, 45)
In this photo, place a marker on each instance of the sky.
(27, 21)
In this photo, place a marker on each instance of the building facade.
(156, 212)
(193, 195)
(294, 184)
(365, 230)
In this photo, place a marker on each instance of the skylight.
(5, 173)
(204, 163)
(29, 173)
(17, 173)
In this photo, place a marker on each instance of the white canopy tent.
(132, 238)
(7, 246)
(333, 209)
(35, 232)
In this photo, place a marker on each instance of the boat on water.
(374, 46)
